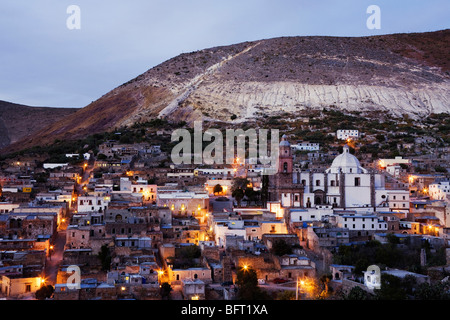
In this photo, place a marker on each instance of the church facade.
(346, 184)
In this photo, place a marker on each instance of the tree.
(247, 282)
(324, 281)
(240, 183)
(437, 291)
(105, 257)
(356, 293)
(238, 189)
(391, 288)
(165, 290)
(286, 295)
(44, 292)
(280, 247)
(265, 190)
(250, 194)
(217, 189)
(238, 194)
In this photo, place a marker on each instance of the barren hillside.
(399, 73)
(19, 122)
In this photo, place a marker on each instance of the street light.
(160, 274)
(302, 283)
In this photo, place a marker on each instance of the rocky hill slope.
(398, 73)
(18, 122)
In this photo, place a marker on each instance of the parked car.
(279, 280)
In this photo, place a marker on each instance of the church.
(345, 184)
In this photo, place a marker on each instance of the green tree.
(44, 292)
(238, 194)
(105, 257)
(238, 189)
(217, 189)
(437, 291)
(357, 293)
(165, 291)
(391, 288)
(247, 282)
(281, 247)
(286, 295)
(250, 194)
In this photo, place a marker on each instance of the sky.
(44, 61)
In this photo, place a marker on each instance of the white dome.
(346, 163)
(284, 141)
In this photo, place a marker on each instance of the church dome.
(346, 163)
(284, 141)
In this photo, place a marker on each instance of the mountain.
(397, 73)
(18, 122)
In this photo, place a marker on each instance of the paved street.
(53, 262)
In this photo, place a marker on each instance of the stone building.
(345, 184)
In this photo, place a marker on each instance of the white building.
(305, 146)
(179, 202)
(345, 184)
(361, 222)
(440, 190)
(398, 200)
(6, 207)
(223, 172)
(344, 134)
(225, 228)
(93, 203)
(54, 165)
(384, 163)
(148, 191)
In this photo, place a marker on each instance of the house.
(372, 277)
(93, 203)
(293, 266)
(384, 163)
(197, 273)
(13, 286)
(184, 203)
(398, 200)
(339, 271)
(305, 146)
(193, 289)
(344, 134)
(439, 190)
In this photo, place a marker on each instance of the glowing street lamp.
(160, 275)
(300, 285)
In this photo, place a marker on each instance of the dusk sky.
(44, 63)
